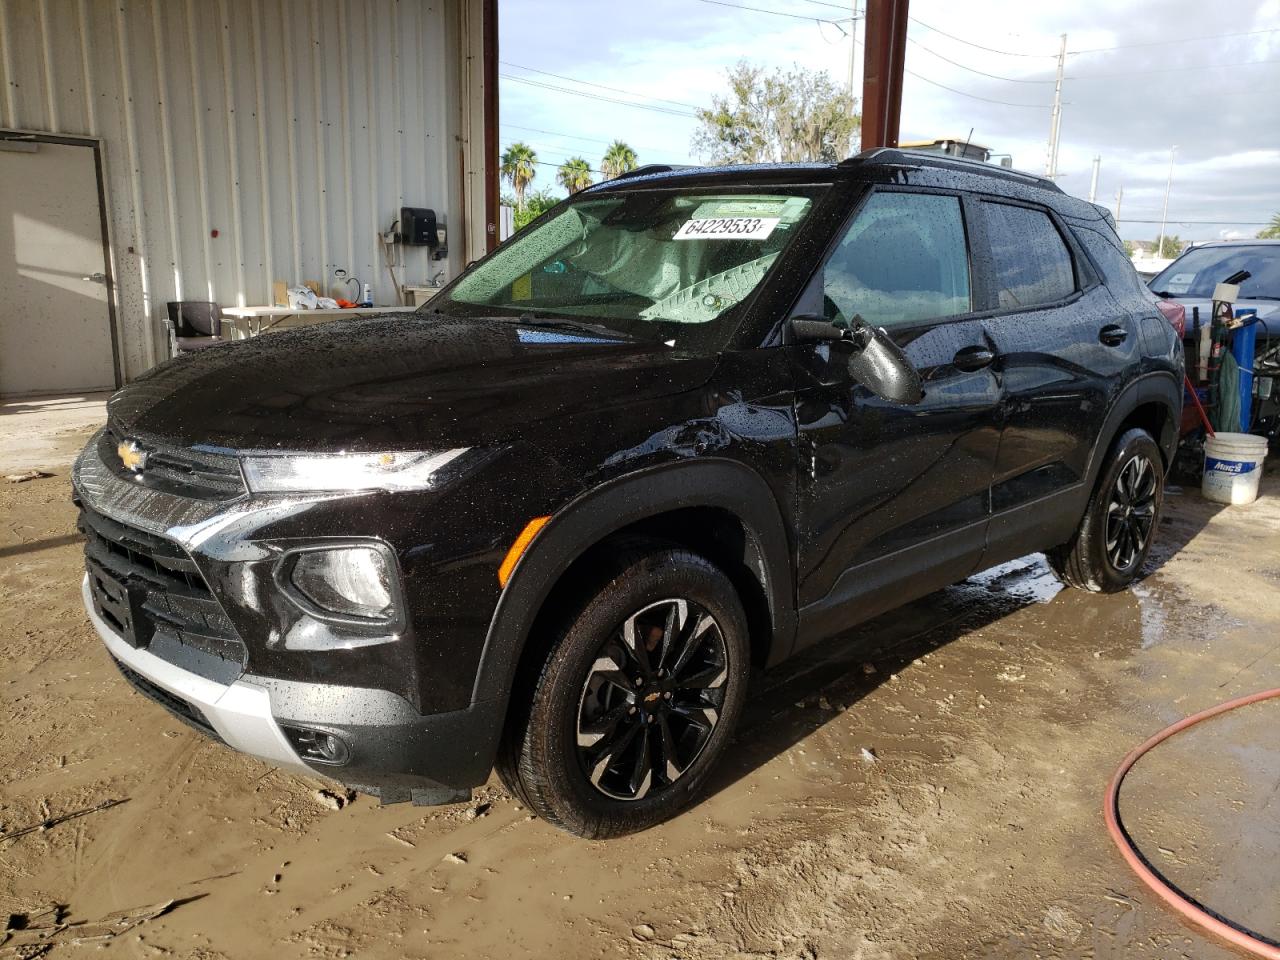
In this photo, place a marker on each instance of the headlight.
(346, 582)
(285, 473)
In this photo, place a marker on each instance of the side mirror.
(874, 360)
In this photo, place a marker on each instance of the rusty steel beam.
(882, 72)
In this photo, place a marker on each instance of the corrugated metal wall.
(295, 129)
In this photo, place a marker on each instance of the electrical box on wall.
(418, 227)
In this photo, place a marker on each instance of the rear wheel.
(1115, 535)
(638, 698)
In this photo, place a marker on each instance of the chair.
(193, 325)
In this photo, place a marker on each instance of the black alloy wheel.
(637, 695)
(652, 699)
(1131, 513)
(1121, 520)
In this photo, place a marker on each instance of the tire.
(619, 732)
(1104, 556)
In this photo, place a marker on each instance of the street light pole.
(1093, 184)
(1164, 214)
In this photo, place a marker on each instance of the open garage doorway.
(56, 321)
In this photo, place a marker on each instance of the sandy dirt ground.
(995, 711)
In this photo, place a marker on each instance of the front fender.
(608, 508)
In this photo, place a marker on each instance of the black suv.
(686, 424)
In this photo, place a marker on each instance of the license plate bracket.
(119, 603)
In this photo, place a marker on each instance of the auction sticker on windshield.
(728, 228)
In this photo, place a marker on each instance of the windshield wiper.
(1261, 296)
(564, 323)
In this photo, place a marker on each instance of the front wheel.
(637, 700)
(1115, 535)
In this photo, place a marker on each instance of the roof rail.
(921, 158)
(649, 168)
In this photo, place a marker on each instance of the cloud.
(1127, 105)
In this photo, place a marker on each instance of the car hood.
(396, 382)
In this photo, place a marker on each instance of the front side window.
(903, 260)
(666, 265)
(1031, 261)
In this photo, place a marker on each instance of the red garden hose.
(1111, 811)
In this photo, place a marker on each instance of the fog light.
(347, 581)
(318, 746)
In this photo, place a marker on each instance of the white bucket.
(1233, 467)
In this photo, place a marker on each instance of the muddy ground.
(996, 711)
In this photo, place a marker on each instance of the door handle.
(1113, 334)
(96, 278)
(973, 358)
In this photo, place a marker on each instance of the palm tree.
(574, 174)
(618, 159)
(518, 169)
(1272, 230)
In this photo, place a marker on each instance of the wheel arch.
(1152, 402)
(697, 504)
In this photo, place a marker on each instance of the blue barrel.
(1243, 342)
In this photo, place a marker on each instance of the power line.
(776, 13)
(1007, 53)
(588, 83)
(570, 136)
(1148, 73)
(548, 163)
(1161, 43)
(956, 63)
(971, 96)
(1119, 46)
(596, 96)
(844, 8)
(1092, 76)
(974, 96)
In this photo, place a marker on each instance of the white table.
(246, 322)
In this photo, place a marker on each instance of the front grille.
(143, 584)
(184, 711)
(181, 471)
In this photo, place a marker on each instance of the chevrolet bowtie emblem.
(131, 455)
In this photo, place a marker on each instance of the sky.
(1141, 77)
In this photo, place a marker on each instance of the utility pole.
(1093, 184)
(853, 48)
(1119, 197)
(1164, 214)
(1055, 125)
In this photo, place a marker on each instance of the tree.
(1169, 248)
(618, 159)
(785, 116)
(518, 169)
(1129, 249)
(535, 205)
(574, 174)
(1272, 230)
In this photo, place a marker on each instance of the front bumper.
(395, 752)
(239, 713)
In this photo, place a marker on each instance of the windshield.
(662, 265)
(1195, 273)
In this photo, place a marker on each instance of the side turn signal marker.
(518, 548)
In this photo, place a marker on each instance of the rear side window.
(902, 260)
(1031, 262)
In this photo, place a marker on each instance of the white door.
(55, 328)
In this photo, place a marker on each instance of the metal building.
(158, 150)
